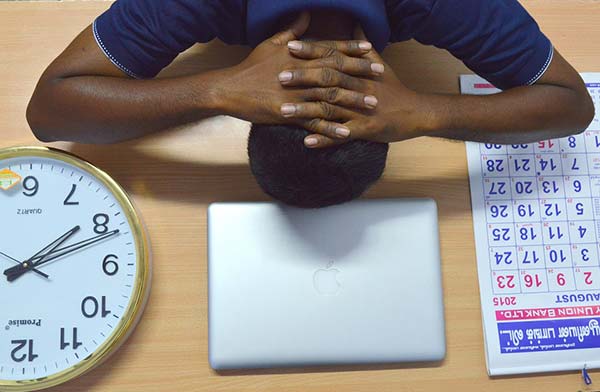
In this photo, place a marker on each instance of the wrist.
(434, 114)
(212, 93)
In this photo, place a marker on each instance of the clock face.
(69, 268)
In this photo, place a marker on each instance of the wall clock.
(74, 267)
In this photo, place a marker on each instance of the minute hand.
(16, 272)
(74, 247)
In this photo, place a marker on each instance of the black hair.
(312, 178)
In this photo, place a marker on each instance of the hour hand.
(18, 262)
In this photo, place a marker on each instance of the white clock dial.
(63, 306)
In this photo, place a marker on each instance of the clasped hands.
(338, 90)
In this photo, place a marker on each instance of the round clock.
(74, 267)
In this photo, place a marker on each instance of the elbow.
(38, 119)
(37, 125)
(584, 113)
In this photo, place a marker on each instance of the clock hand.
(18, 262)
(18, 270)
(15, 272)
(75, 247)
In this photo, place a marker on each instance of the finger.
(310, 110)
(294, 31)
(341, 97)
(359, 34)
(320, 49)
(348, 65)
(321, 77)
(321, 141)
(326, 128)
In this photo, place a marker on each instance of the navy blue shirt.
(496, 39)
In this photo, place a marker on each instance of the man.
(100, 89)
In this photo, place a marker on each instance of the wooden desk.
(174, 176)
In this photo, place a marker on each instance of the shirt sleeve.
(496, 39)
(141, 37)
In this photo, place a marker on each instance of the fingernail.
(377, 68)
(288, 109)
(286, 76)
(365, 45)
(370, 101)
(295, 45)
(311, 141)
(342, 131)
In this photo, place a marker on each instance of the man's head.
(290, 172)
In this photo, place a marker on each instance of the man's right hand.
(254, 90)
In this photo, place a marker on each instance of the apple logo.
(325, 280)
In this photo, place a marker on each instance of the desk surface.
(173, 177)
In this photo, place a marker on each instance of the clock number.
(110, 267)
(95, 307)
(68, 201)
(20, 344)
(100, 223)
(64, 344)
(29, 187)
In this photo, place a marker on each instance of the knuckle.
(327, 76)
(352, 46)
(313, 124)
(358, 99)
(329, 52)
(332, 94)
(298, 75)
(326, 109)
(364, 66)
(338, 61)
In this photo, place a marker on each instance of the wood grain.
(172, 177)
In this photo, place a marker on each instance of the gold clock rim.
(141, 288)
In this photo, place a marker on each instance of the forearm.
(106, 109)
(520, 115)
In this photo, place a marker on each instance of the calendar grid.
(549, 233)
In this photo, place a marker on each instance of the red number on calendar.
(505, 281)
(530, 281)
(588, 277)
(560, 279)
(542, 144)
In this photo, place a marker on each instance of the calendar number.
(587, 278)
(525, 210)
(524, 187)
(505, 281)
(546, 144)
(530, 257)
(498, 188)
(550, 187)
(501, 234)
(495, 165)
(557, 256)
(497, 211)
(532, 280)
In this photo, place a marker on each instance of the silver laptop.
(358, 283)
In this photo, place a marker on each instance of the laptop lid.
(357, 283)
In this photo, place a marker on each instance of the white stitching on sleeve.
(543, 69)
(110, 56)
